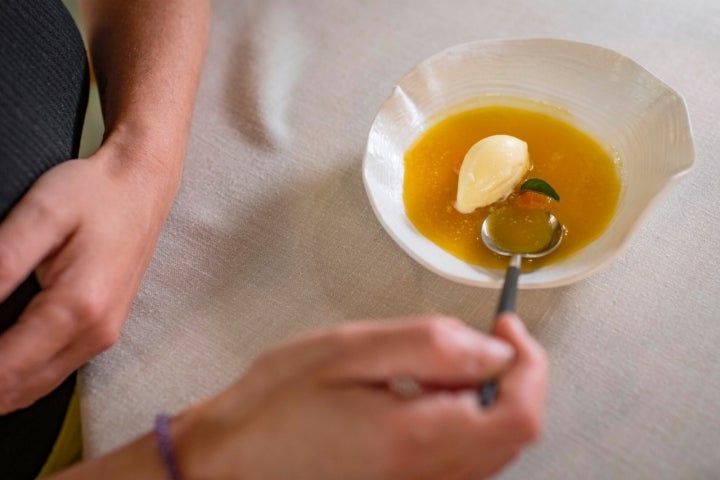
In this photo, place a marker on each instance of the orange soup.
(584, 175)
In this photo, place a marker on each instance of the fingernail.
(518, 323)
(498, 348)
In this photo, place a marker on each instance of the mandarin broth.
(585, 176)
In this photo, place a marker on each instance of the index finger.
(26, 347)
(436, 351)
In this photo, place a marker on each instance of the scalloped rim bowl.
(634, 115)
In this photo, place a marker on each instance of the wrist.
(207, 445)
(137, 146)
(148, 166)
(192, 443)
(181, 430)
(165, 447)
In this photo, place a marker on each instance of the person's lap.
(43, 96)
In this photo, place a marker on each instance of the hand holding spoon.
(518, 233)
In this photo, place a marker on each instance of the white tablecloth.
(272, 234)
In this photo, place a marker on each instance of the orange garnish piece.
(532, 200)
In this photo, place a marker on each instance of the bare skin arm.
(147, 56)
(320, 407)
(88, 227)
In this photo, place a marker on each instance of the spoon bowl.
(554, 234)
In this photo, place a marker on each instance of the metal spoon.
(554, 235)
(509, 291)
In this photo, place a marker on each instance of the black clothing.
(44, 80)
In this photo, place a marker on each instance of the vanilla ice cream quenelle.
(491, 169)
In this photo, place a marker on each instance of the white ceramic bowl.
(619, 103)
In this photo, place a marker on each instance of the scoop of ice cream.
(491, 169)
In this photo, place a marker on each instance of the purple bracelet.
(162, 433)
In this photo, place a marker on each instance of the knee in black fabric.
(43, 96)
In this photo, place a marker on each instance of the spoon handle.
(509, 291)
(488, 390)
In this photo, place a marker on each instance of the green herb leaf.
(540, 186)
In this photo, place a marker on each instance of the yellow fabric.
(68, 445)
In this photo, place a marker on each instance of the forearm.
(142, 459)
(139, 459)
(147, 56)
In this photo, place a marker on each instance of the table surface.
(272, 233)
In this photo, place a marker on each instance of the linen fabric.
(272, 234)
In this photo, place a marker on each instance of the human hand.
(323, 407)
(88, 229)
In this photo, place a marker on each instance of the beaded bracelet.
(162, 433)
